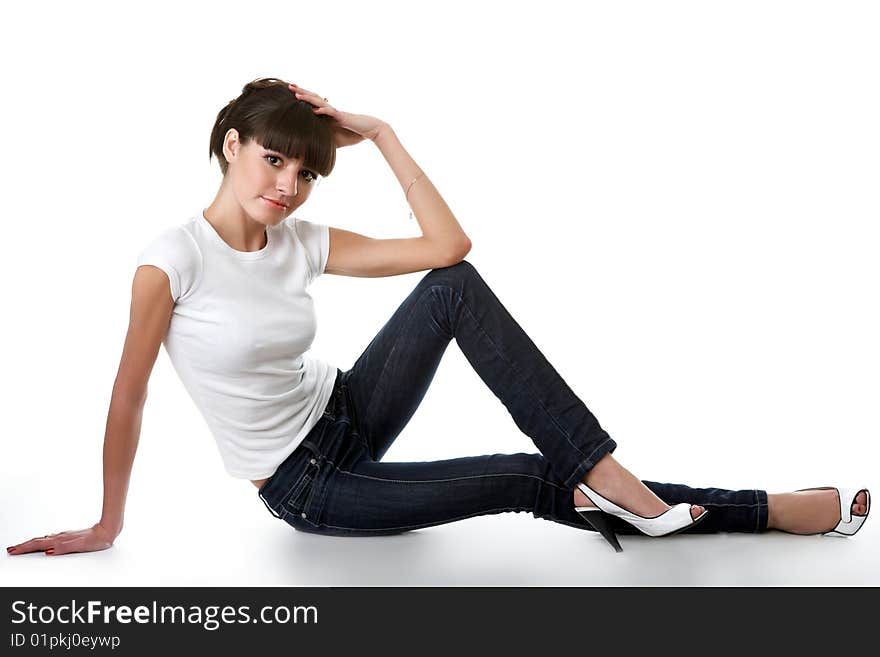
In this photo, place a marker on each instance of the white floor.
(503, 550)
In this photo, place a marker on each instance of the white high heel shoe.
(850, 522)
(673, 520)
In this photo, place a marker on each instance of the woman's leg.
(390, 378)
(388, 381)
(363, 497)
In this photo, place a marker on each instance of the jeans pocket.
(298, 501)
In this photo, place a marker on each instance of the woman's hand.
(97, 537)
(348, 128)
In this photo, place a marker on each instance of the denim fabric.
(336, 483)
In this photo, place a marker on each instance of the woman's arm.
(440, 230)
(151, 306)
(442, 243)
(120, 445)
(438, 223)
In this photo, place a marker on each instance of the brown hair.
(267, 112)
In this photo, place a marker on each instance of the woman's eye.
(310, 176)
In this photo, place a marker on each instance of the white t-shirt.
(241, 324)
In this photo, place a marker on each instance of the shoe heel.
(599, 520)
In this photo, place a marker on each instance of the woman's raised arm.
(151, 306)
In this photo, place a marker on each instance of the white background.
(678, 202)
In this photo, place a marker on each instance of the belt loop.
(312, 448)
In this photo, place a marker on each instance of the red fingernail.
(50, 551)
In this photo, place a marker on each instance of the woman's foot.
(809, 511)
(617, 484)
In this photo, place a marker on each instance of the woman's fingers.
(297, 89)
(59, 543)
(35, 544)
(310, 96)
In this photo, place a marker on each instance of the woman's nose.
(287, 186)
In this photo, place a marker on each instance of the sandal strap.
(849, 524)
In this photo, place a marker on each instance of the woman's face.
(259, 175)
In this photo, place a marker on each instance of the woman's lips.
(273, 204)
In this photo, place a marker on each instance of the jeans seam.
(512, 365)
(430, 481)
(431, 524)
(748, 506)
(422, 481)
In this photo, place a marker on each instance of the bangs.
(295, 131)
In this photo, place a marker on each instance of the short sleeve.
(175, 253)
(316, 240)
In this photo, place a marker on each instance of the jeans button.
(313, 461)
(304, 515)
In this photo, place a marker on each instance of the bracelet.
(406, 196)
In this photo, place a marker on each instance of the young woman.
(226, 293)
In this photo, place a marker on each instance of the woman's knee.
(454, 274)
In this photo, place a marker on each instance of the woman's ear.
(231, 144)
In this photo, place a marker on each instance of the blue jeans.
(335, 482)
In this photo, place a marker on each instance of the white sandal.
(850, 522)
(675, 519)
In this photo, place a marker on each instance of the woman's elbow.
(459, 253)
